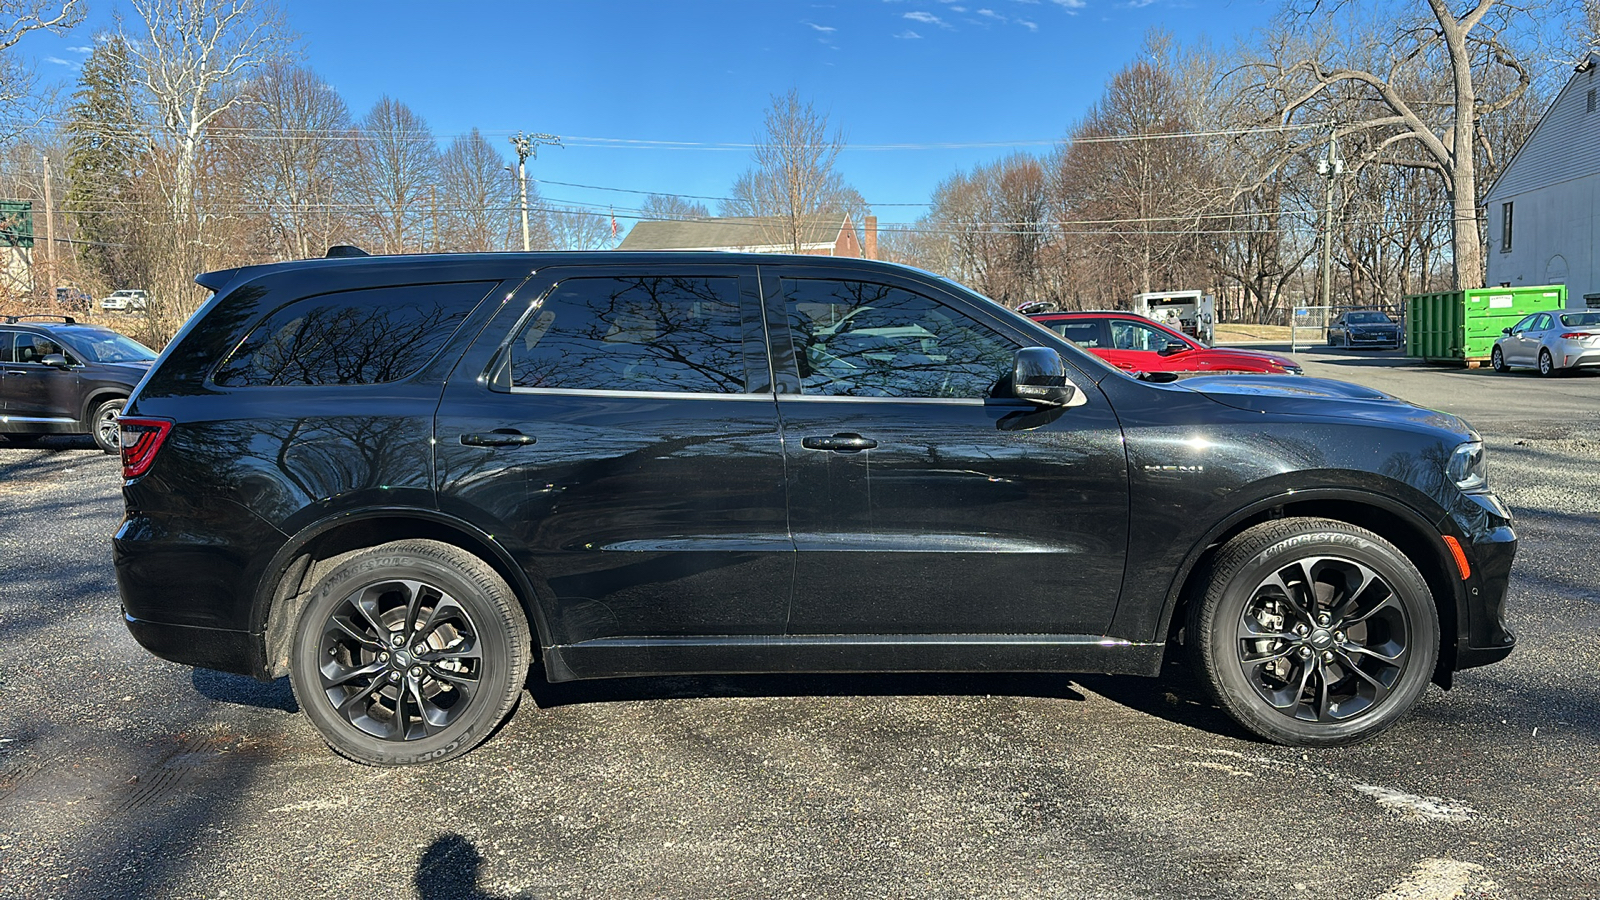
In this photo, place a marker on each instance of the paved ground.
(121, 775)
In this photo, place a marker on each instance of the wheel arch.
(97, 397)
(1409, 530)
(318, 548)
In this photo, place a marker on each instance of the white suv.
(126, 299)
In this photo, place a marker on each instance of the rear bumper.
(1572, 357)
(238, 652)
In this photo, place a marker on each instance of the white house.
(1544, 210)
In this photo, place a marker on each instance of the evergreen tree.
(103, 154)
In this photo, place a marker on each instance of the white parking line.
(1439, 879)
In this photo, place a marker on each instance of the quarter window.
(859, 339)
(667, 334)
(369, 336)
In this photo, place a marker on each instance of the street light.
(528, 145)
(1330, 167)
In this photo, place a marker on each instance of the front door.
(35, 392)
(616, 430)
(921, 500)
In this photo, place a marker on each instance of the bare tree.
(399, 165)
(477, 207)
(793, 179)
(994, 225)
(1422, 72)
(671, 206)
(18, 19)
(571, 228)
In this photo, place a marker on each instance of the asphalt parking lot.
(122, 775)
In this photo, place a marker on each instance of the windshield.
(110, 347)
(1368, 318)
(1581, 320)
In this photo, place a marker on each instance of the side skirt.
(706, 655)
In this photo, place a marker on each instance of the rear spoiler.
(215, 281)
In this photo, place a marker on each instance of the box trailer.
(1191, 312)
(1461, 326)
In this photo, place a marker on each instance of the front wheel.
(1497, 360)
(409, 652)
(1547, 365)
(1314, 633)
(103, 425)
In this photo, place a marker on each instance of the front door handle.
(500, 437)
(839, 443)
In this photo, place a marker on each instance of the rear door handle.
(502, 437)
(839, 443)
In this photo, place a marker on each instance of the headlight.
(1468, 468)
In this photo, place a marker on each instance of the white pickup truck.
(126, 300)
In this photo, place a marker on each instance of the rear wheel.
(1497, 359)
(409, 652)
(1314, 632)
(1547, 364)
(103, 425)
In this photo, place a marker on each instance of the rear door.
(614, 427)
(919, 502)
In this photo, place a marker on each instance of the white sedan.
(1553, 342)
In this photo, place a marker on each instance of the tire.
(1324, 667)
(1497, 360)
(1547, 364)
(373, 697)
(103, 425)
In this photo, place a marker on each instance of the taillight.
(141, 438)
(1576, 335)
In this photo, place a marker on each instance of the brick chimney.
(869, 245)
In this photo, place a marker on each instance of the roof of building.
(732, 233)
(1562, 145)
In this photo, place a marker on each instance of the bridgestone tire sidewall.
(1220, 659)
(499, 627)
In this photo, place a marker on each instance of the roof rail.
(345, 251)
(12, 320)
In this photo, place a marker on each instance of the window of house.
(369, 336)
(662, 334)
(860, 339)
(1505, 227)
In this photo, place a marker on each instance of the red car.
(1135, 343)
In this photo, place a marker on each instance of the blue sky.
(660, 96)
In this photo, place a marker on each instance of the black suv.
(60, 376)
(402, 480)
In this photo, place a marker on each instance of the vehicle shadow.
(242, 690)
(1174, 696)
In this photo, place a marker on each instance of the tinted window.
(1581, 320)
(368, 336)
(7, 338)
(677, 335)
(1084, 334)
(1542, 323)
(34, 347)
(858, 339)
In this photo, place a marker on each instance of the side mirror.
(1039, 376)
(1505, 331)
(1172, 348)
(55, 361)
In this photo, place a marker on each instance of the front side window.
(368, 336)
(860, 339)
(32, 348)
(1136, 336)
(663, 334)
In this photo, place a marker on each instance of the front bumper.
(1482, 636)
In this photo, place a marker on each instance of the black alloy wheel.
(103, 425)
(1547, 365)
(1497, 361)
(1315, 632)
(409, 652)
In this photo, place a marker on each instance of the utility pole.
(49, 236)
(1330, 167)
(528, 145)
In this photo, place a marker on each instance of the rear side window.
(662, 334)
(369, 336)
(1084, 334)
(7, 338)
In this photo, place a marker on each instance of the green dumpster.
(1461, 326)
